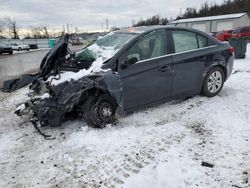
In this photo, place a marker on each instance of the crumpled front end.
(50, 105)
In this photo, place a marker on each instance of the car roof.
(144, 29)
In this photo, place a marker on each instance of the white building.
(214, 23)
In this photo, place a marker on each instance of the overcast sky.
(91, 13)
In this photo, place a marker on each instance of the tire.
(19, 49)
(11, 53)
(243, 56)
(87, 111)
(213, 82)
(99, 111)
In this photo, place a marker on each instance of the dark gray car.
(125, 71)
(5, 49)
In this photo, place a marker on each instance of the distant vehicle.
(224, 35)
(19, 47)
(76, 41)
(241, 32)
(213, 34)
(5, 49)
(127, 70)
(33, 46)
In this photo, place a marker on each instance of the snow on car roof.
(220, 17)
(141, 29)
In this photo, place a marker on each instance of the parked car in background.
(224, 35)
(213, 34)
(76, 41)
(19, 47)
(125, 71)
(241, 32)
(5, 49)
(33, 46)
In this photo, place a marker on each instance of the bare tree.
(35, 32)
(39, 32)
(12, 26)
(45, 32)
(2, 26)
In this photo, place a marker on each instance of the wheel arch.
(212, 67)
(94, 91)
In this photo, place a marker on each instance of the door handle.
(165, 68)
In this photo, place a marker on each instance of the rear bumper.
(7, 50)
(230, 64)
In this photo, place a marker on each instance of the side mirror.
(129, 61)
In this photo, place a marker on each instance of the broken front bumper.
(47, 111)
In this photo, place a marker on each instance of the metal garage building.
(214, 23)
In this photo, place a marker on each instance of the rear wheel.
(213, 82)
(99, 111)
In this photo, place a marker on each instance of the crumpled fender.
(72, 91)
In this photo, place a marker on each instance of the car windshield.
(105, 47)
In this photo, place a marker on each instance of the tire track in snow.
(137, 153)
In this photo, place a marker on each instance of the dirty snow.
(158, 147)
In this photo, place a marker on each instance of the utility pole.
(102, 26)
(133, 22)
(68, 28)
(63, 29)
(107, 24)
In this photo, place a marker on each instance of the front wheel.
(213, 82)
(99, 111)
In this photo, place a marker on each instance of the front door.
(148, 79)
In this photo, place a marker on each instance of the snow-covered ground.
(160, 147)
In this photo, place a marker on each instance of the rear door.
(149, 79)
(190, 59)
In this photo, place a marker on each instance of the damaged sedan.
(125, 71)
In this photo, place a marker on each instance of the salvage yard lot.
(199, 142)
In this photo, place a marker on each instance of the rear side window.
(184, 41)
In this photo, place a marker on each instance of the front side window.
(151, 45)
